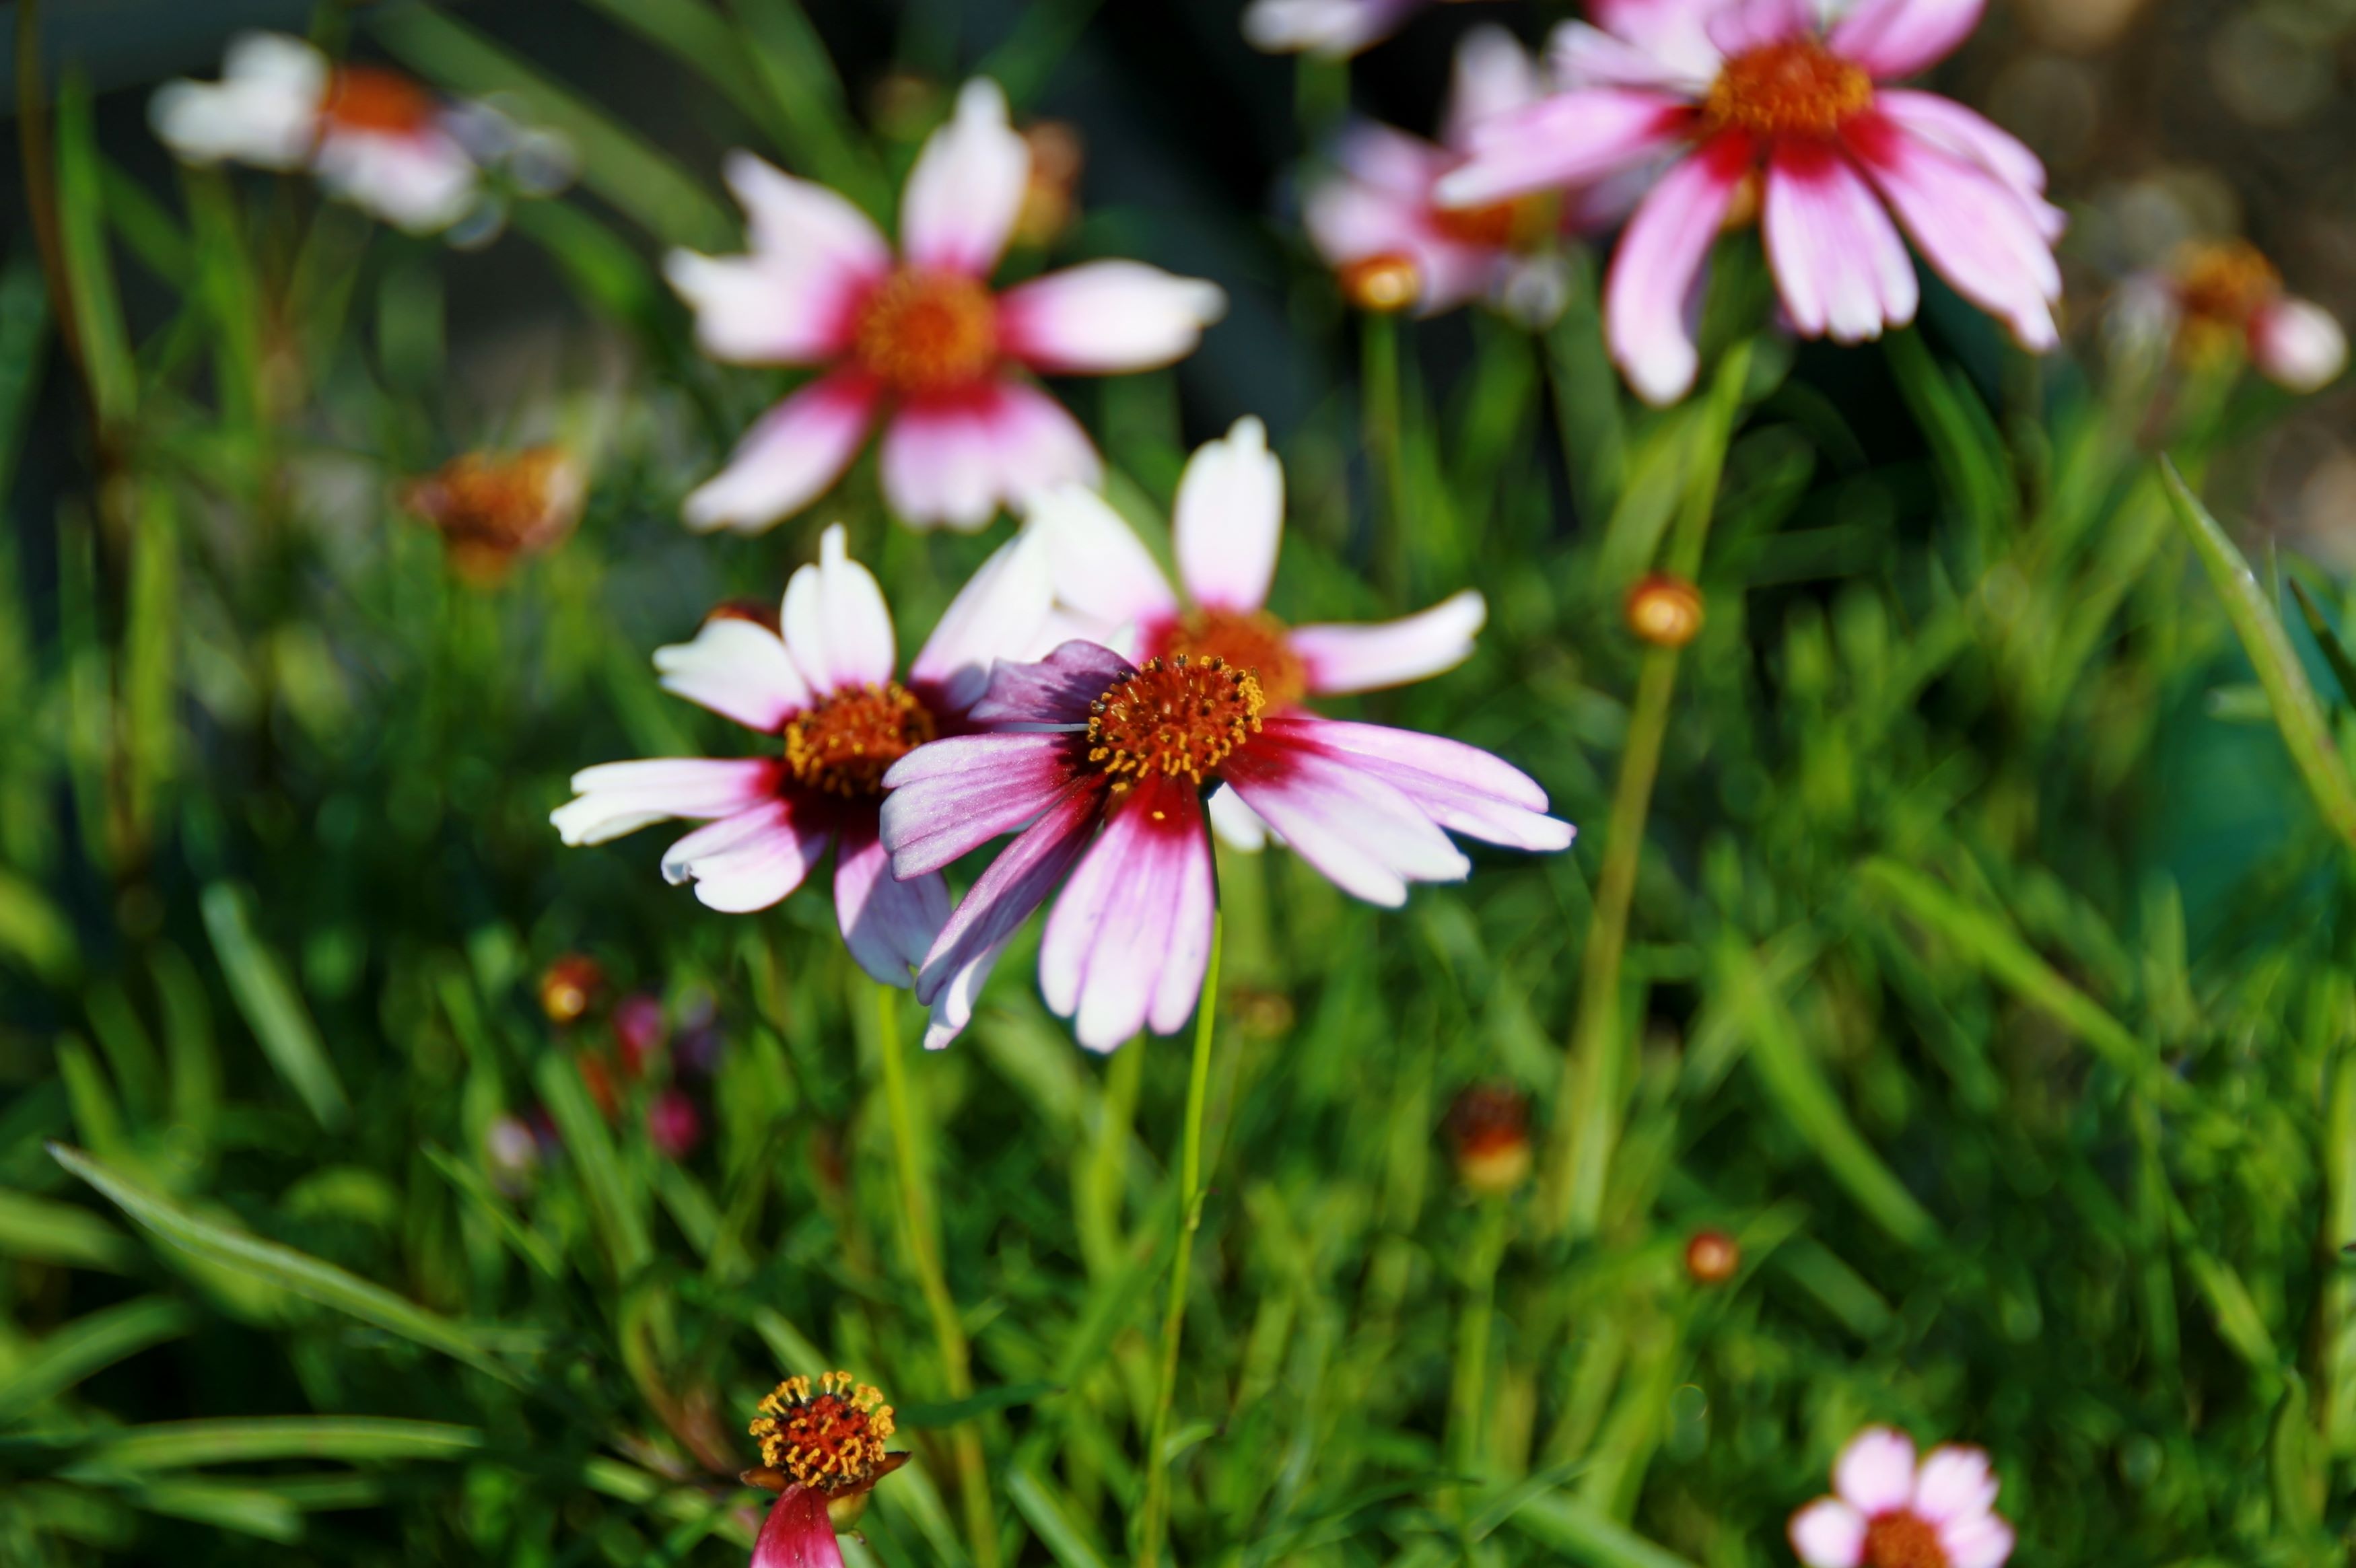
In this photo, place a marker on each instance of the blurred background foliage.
(1988, 982)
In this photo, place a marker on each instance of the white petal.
(1391, 653)
(1127, 943)
(1494, 75)
(265, 111)
(1659, 257)
(757, 310)
(1828, 1534)
(810, 227)
(1953, 1483)
(1981, 1540)
(1229, 519)
(1237, 825)
(837, 624)
(1839, 265)
(2297, 345)
(421, 181)
(790, 456)
(1106, 316)
(963, 197)
(887, 924)
(748, 861)
(1875, 1474)
(996, 615)
(1100, 568)
(736, 669)
(1334, 29)
(956, 460)
(616, 799)
(1357, 829)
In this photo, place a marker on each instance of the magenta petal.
(1748, 25)
(955, 458)
(790, 456)
(798, 1534)
(1055, 690)
(1946, 123)
(1337, 814)
(951, 797)
(888, 924)
(1462, 788)
(1891, 38)
(750, 860)
(1128, 941)
(1658, 258)
(1568, 139)
(1103, 317)
(1969, 223)
(1839, 264)
(1017, 882)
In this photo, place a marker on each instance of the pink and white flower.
(1379, 204)
(1333, 29)
(371, 136)
(1885, 1512)
(824, 680)
(1756, 97)
(1101, 769)
(1228, 526)
(918, 340)
(2222, 299)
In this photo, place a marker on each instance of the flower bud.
(1712, 1257)
(1664, 609)
(1489, 1127)
(569, 986)
(491, 509)
(1383, 283)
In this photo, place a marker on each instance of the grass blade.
(177, 1444)
(40, 1230)
(90, 1344)
(273, 1009)
(1585, 1535)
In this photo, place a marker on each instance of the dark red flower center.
(1250, 640)
(1178, 716)
(1902, 1541)
(928, 331)
(844, 745)
(1795, 88)
(830, 1440)
(368, 98)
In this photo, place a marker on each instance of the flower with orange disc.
(821, 1452)
(489, 510)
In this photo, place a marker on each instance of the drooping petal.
(1839, 265)
(815, 229)
(616, 799)
(1017, 882)
(420, 181)
(1748, 25)
(1107, 316)
(996, 615)
(1953, 1483)
(951, 797)
(1875, 1474)
(1237, 825)
(952, 1008)
(1100, 567)
(1366, 837)
(1127, 943)
(1229, 519)
(750, 860)
(1981, 1540)
(736, 669)
(961, 198)
(1675, 32)
(797, 1534)
(264, 111)
(1580, 56)
(790, 456)
(1334, 29)
(1057, 690)
(1658, 258)
(956, 459)
(2297, 345)
(1969, 225)
(1891, 38)
(1462, 789)
(1344, 658)
(1828, 1534)
(1943, 122)
(835, 623)
(888, 924)
(1568, 139)
(1494, 75)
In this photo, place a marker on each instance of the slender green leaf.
(2335, 652)
(616, 1204)
(1056, 1531)
(34, 933)
(43, 1230)
(87, 1345)
(271, 1008)
(1586, 1535)
(948, 1412)
(178, 1445)
(89, 264)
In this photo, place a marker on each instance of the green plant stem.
(924, 1257)
(1587, 1106)
(1468, 1395)
(1155, 1516)
(1379, 364)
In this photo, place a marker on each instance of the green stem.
(924, 1257)
(1379, 365)
(1588, 1104)
(1154, 1516)
(1468, 1396)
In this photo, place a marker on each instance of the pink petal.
(738, 669)
(1127, 941)
(952, 1008)
(1891, 38)
(956, 458)
(1828, 1534)
(1390, 653)
(1982, 1540)
(1746, 24)
(420, 181)
(1055, 690)
(1332, 29)
(1099, 567)
(1944, 123)
(951, 797)
(1366, 835)
(1389, 159)
(1954, 1483)
(813, 227)
(1494, 75)
(1579, 56)
(1875, 1474)
(1675, 32)
(998, 614)
(797, 1534)
(790, 456)
(1229, 519)
(1107, 316)
(750, 860)
(622, 797)
(961, 198)
(1017, 882)
(835, 623)
(1568, 139)
(1462, 789)
(889, 925)
(1658, 258)
(1237, 825)
(1968, 224)
(1839, 264)
(2297, 345)
(794, 300)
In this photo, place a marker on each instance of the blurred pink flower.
(1736, 87)
(372, 136)
(1379, 202)
(1334, 29)
(1228, 523)
(1132, 749)
(920, 340)
(2223, 298)
(1886, 1513)
(673, 1124)
(827, 685)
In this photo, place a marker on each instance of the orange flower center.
(491, 508)
(1248, 640)
(2225, 282)
(831, 1440)
(928, 331)
(844, 744)
(1502, 225)
(1796, 88)
(368, 98)
(1902, 1541)
(1174, 715)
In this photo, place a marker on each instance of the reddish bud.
(1712, 1257)
(569, 986)
(1383, 285)
(1664, 609)
(1489, 1127)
